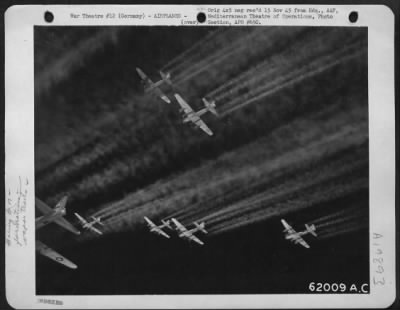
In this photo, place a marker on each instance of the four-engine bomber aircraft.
(188, 234)
(149, 85)
(54, 215)
(295, 236)
(90, 225)
(194, 117)
(157, 229)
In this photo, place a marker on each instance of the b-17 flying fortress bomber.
(90, 225)
(158, 229)
(296, 237)
(150, 86)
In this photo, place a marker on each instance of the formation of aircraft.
(150, 86)
(296, 237)
(157, 229)
(90, 225)
(188, 234)
(189, 115)
(182, 231)
(55, 215)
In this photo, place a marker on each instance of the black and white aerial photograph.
(201, 160)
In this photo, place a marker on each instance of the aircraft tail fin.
(311, 229)
(166, 223)
(200, 227)
(166, 77)
(210, 106)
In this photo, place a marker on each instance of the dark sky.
(291, 141)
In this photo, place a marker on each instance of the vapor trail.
(235, 47)
(292, 79)
(345, 229)
(335, 215)
(301, 202)
(256, 73)
(311, 177)
(62, 67)
(207, 50)
(339, 220)
(282, 161)
(194, 48)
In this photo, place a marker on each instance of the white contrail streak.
(293, 79)
(194, 48)
(341, 213)
(235, 48)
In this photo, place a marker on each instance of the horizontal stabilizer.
(200, 227)
(311, 229)
(210, 106)
(166, 223)
(166, 77)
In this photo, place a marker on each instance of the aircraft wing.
(150, 223)
(162, 95)
(94, 229)
(50, 253)
(195, 239)
(44, 208)
(199, 123)
(162, 233)
(300, 240)
(184, 106)
(178, 225)
(67, 225)
(289, 229)
(81, 219)
(144, 77)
